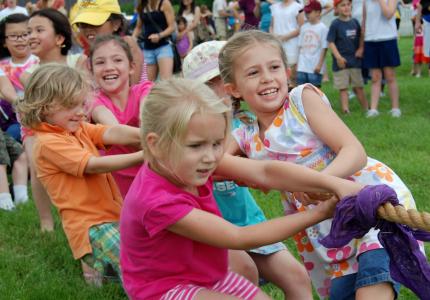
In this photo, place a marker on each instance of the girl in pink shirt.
(116, 102)
(173, 239)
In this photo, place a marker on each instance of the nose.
(266, 76)
(210, 155)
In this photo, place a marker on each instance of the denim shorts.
(373, 268)
(313, 78)
(152, 56)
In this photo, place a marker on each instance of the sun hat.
(95, 12)
(202, 62)
(312, 6)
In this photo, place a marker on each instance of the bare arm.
(341, 61)
(196, 19)
(256, 10)
(137, 59)
(110, 163)
(121, 135)
(138, 29)
(7, 91)
(321, 60)
(327, 126)
(295, 32)
(102, 115)
(170, 18)
(388, 9)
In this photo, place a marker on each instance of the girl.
(301, 127)
(154, 27)
(381, 53)
(235, 202)
(50, 39)
(104, 17)
(191, 12)
(184, 40)
(15, 58)
(116, 102)
(170, 209)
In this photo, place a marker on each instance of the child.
(381, 52)
(236, 203)
(301, 127)
(15, 58)
(116, 102)
(184, 42)
(68, 163)
(170, 210)
(101, 17)
(12, 155)
(346, 44)
(312, 46)
(287, 18)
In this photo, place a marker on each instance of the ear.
(132, 68)
(232, 90)
(152, 141)
(59, 40)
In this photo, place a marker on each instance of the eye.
(194, 146)
(275, 67)
(252, 73)
(98, 62)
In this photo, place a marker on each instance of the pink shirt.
(129, 116)
(153, 259)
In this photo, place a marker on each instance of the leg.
(166, 67)
(241, 263)
(378, 291)
(152, 72)
(211, 295)
(390, 78)
(5, 197)
(343, 95)
(41, 198)
(295, 282)
(361, 96)
(20, 178)
(376, 75)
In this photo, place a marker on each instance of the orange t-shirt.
(83, 200)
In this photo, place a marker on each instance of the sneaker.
(371, 113)
(396, 112)
(351, 94)
(382, 94)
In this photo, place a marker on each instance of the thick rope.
(396, 214)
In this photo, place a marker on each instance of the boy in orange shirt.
(70, 168)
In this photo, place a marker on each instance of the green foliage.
(35, 265)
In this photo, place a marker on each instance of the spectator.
(12, 8)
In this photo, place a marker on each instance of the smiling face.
(18, 48)
(111, 67)
(90, 32)
(260, 78)
(201, 151)
(67, 118)
(43, 39)
(344, 9)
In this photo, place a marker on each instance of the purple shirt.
(248, 9)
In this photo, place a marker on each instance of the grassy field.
(35, 265)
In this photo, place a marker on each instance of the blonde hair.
(50, 86)
(168, 109)
(240, 42)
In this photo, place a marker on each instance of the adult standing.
(381, 53)
(12, 8)
(220, 14)
(262, 11)
(191, 12)
(251, 20)
(423, 12)
(154, 26)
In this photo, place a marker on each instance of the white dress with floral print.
(290, 138)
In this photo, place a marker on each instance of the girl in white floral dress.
(301, 127)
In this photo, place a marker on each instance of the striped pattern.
(232, 284)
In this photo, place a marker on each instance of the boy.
(346, 44)
(70, 168)
(312, 46)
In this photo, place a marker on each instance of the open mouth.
(110, 78)
(269, 92)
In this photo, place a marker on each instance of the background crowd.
(124, 55)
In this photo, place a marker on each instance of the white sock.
(21, 194)
(6, 201)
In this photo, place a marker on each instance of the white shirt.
(9, 11)
(312, 40)
(284, 18)
(217, 6)
(378, 27)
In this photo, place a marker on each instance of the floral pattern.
(290, 138)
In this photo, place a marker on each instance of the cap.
(337, 2)
(96, 12)
(202, 62)
(312, 6)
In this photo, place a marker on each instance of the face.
(17, 39)
(90, 31)
(43, 38)
(11, 3)
(260, 78)
(344, 8)
(313, 16)
(181, 26)
(202, 150)
(111, 67)
(67, 118)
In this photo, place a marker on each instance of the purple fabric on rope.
(356, 215)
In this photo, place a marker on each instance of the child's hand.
(312, 198)
(341, 62)
(317, 69)
(359, 52)
(348, 188)
(327, 207)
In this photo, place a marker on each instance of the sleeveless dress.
(290, 138)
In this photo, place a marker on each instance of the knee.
(22, 160)
(248, 269)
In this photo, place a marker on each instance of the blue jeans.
(313, 78)
(373, 268)
(152, 56)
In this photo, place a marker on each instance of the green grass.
(35, 265)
